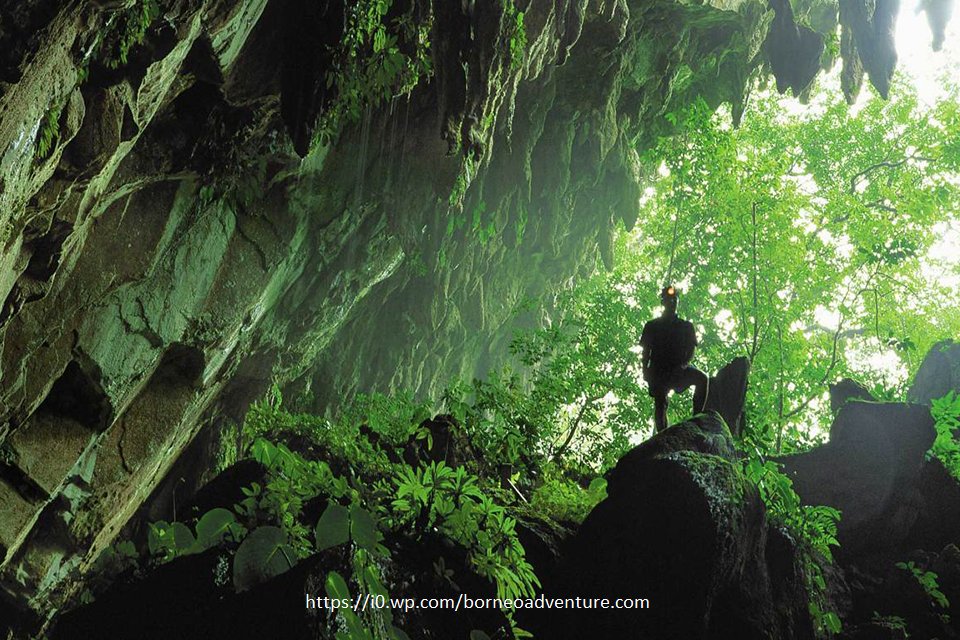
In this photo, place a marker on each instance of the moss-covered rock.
(685, 529)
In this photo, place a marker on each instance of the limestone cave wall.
(143, 301)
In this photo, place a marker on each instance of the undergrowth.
(813, 527)
(946, 448)
(377, 59)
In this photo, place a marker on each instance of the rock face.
(868, 44)
(682, 527)
(938, 13)
(166, 254)
(875, 468)
(938, 374)
(794, 50)
(846, 390)
(728, 391)
(897, 506)
(867, 471)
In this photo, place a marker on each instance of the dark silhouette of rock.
(727, 392)
(939, 521)
(225, 490)
(682, 527)
(311, 30)
(874, 457)
(938, 374)
(851, 76)
(846, 390)
(793, 50)
(185, 599)
(947, 568)
(871, 25)
(938, 13)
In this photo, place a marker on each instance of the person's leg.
(700, 382)
(660, 412)
(701, 386)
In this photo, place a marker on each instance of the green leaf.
(213, 525)
(264, 452)
(183, 539)
(264, 554)
(363, 528)
(598, 487)
(333, 529)
(156, 537)
(336, 586)
(127, 549)
(833, 622)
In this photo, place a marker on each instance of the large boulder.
(868, 471)
(727, 392)
(938, 524)
(683, 528)
(938, 374)
(846, 390)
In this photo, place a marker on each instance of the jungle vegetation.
(812, 244)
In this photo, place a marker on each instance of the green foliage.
(563, 500)
(894, 623)
(516, 33)
(126, 30)
(814, 528)
(291, 484)
(337, 589)
(946, 448)
(927, 580)
(262, 555)
(814, 525)
(452, 502)
(825, 623)
(333, 529)
(435, 498)
(376, 61)
(123, 31)
(49, 131)
(798, 241)
(484, 231)
(393, 417)
(169, 540)
(339, 525)
(213, 526)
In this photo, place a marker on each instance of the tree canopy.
(816, 245)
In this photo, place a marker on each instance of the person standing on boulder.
(667, 344)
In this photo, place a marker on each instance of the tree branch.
(885, 164)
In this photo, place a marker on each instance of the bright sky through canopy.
(917, 58)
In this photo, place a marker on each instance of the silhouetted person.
(668, 344)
